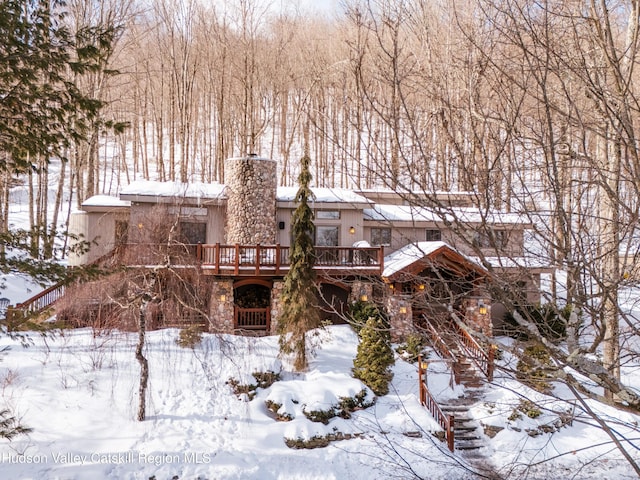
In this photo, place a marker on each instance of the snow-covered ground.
(78, 390)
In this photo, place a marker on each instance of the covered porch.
(430, 280)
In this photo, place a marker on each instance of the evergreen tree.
(375, 355)
(42, 110)
(299, 310)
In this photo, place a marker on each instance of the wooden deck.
(255, 260)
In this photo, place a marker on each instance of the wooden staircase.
(472, 367)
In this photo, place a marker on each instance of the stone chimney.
(251, 206)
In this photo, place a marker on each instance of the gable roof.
(413, 258)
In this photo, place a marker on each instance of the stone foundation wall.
(476, 320)
(221, 310)
(251, 207)
(400, 317)
(360, 289)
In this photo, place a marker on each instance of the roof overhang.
(414, 258)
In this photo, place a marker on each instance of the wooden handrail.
(427, 400)
(41, 301)
(483, 359)
(438, 342)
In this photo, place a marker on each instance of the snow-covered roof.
(402, 258)
(515, 262)
(414, 252)
(198, 190)
(406, 213)
(323, 195)
(105, 201)
(400, 213)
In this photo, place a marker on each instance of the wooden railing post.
(491, 359)
(449, 433)
(258, 260)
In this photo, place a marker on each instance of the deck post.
(258, 260)
(422, 381)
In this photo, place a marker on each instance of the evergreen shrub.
(375, 356)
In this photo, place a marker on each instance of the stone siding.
(251, 206)
(221, 311)
(400, 317)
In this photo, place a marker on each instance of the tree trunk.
(144, 365)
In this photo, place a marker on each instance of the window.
(381, 237)
(193, 233)
(491, 238)
(328, 214)
(121, 233)
(326, 236)
(433, 235)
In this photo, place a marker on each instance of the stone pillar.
(221, 311)
(477, 314)
(251, 206)
(276, 305)
(360, 289)
(400, 317)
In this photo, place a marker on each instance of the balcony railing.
(255, 260)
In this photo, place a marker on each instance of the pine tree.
(374, 356)
(299, 310)
(42, 110)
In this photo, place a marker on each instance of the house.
(369, 246)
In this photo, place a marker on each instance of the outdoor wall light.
(364, 298)
(140, 225)
(403, 310)
(421, 286)
(482, 309)
(352, 230)
(223, 298)
(423, 364)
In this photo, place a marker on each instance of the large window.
(326, 236)
(381, 237)
(433, 236)
(193, 233)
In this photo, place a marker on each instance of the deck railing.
(252, 318)
(268, 259)
(36, 304)
(251, 259)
